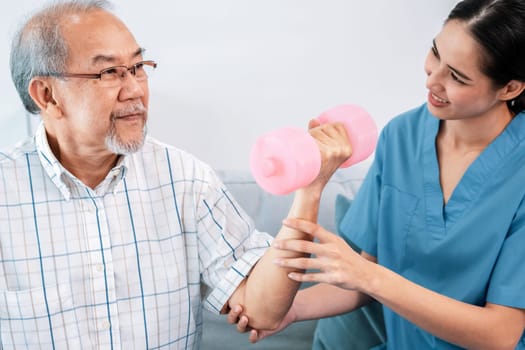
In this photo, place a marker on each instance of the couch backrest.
(268, 210)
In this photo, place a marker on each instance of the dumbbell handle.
(287, 159)
(360, 127)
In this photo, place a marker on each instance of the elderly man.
(107, 236)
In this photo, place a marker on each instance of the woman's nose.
(434, 77)
(433, 71)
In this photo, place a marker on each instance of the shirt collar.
(63, 179)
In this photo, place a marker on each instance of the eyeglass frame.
(131, 69)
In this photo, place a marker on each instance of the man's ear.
(512, 90)
(41, 91)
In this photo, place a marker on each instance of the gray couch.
(268, 210)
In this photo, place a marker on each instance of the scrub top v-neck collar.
(440, 217)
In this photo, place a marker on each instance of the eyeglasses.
(113, 76)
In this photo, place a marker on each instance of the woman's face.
(457, 87)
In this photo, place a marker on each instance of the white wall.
(230, 70)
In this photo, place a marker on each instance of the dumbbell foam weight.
(287, 159)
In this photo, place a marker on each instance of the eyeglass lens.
(141, 71)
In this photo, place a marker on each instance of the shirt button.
(106, 325)
(99, 268)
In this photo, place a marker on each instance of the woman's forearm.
(325, 300)
(469, 326)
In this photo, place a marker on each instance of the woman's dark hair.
(499, 28)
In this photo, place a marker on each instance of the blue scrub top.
(472, 249)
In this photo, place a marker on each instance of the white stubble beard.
(113, 141)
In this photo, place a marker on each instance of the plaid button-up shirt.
(121, 266)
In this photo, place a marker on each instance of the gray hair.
(38, 47)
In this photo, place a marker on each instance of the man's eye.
(110, 71)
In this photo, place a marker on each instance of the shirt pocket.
(396, 221)
(39, 318)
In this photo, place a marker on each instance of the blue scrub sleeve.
(507, 284)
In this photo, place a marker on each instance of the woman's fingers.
(234, 314)
(240, 321)
(296, 245)
(308, 227)
(254, 336)
(326, 247)
(242, 325)
(333, 261)
(300, 263)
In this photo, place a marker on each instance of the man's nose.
(131, 87)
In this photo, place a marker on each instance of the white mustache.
(136, 108)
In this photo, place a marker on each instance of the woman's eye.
(434, 51)
(456, 78)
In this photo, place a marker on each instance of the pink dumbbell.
(286, 159)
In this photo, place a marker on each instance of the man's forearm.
(267, 294)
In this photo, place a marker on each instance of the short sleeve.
(507, 284)
(229, 245)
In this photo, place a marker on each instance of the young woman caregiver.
(440, 216)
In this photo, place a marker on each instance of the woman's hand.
(337, 263)
(236, 317)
